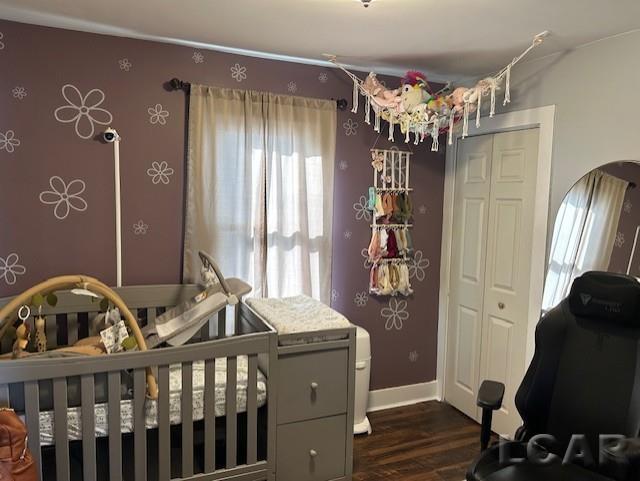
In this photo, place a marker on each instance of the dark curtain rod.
(177, 84)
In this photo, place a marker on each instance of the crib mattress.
(74, 416)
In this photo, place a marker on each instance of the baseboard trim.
(394, 397)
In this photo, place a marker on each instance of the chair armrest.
(490, 395)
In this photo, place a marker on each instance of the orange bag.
(16, 463)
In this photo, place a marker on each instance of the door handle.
(501, 305)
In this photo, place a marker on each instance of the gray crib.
(207, 439)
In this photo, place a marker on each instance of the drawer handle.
(314, 385)
(313, 453)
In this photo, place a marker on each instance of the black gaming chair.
(584, 379)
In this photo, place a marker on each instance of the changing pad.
(74, 415)
(300, 315)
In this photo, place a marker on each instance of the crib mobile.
(20, 307)
(391, 209)
(175, 326)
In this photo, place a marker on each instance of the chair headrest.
(606, 296)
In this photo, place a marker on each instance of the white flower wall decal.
(619, 242)
(19, 92)
(160, 172)
(395, 314)
(367, 261)
(1, 42)
(347, 234)
(323, 77)
(350, 127)
(157, 114)
(65, 197)
(334, 295)
(292, 87)
(343, 165)
(361, 299)
(8, 141)
(125, 64)
(627, 206)
(418, 266)
(362, 211)
(10, 269)
(83, 110)
(140, 228)
(413, 356)
(238, 72)
(197, 57)
(422, 209)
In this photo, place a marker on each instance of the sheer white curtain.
(584, 232)
(260, 189)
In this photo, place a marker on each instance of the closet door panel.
(468, 258)
(507, 244)
(472, 231)
(500, 345)
(467, 323)
(508, 266)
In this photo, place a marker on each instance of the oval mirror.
(596, 229)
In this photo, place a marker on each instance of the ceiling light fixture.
(366, 3)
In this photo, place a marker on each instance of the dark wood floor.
(425, 442)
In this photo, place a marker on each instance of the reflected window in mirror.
(595, 229)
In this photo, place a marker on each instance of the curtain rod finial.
(177, 84)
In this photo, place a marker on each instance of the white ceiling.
(446, 39)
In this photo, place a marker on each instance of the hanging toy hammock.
(419, 111)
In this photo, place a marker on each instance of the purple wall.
(41, 239)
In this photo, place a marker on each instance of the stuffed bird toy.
(412, 77)
(412, 96)
(414, 91)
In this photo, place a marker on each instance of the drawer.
(312, 385)
(311, 450)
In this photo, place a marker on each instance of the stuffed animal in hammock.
(382, 96)
(414, 91)
(411, 97)
(457, 99)
(440, 105)
(471, 97)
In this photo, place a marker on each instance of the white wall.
(596, 90)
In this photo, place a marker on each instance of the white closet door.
(508, 267)
(467, 272)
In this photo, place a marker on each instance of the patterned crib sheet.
(74, 415)
(300, 315)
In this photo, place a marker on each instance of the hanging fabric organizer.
(390, 247)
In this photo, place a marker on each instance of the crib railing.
(30, 373)
(21, 383)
